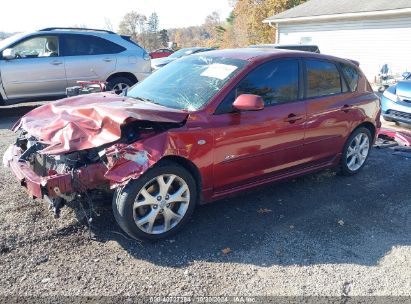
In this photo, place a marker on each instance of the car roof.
(262, 54)
(284, 45)
(124, 41)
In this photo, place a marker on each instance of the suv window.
(78, 45)
(351, 75)
(323, 78)
(39, 46)
(276, 82)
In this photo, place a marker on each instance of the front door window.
(44, 46)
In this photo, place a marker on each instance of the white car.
(46, 62)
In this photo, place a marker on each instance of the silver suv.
(46, 62)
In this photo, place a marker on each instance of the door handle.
(108, 59)
(292, 118)
(56, 62)
(346, 108)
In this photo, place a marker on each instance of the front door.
(250, 146)
(36, 70)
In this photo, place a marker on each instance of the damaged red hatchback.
(201, 128)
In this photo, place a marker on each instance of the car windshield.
(182, 53)
(188, 83)
(10, 40)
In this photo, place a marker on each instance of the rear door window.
(323, 78)
(351, 75)
(80, 45)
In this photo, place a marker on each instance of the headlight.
(390, 95)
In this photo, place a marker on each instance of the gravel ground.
(321, 234)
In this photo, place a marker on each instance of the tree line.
(242, 28)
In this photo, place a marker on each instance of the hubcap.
(358, 151)
(161, 204)
(120, 87)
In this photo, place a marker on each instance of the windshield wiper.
(144, 99)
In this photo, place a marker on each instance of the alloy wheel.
(161, 204)
(358, 151)
(120, 87)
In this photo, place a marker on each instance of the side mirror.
(8, 54)
(249, 102)
(406, 75)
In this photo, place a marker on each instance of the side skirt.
(277, 177)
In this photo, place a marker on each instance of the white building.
(373, 32)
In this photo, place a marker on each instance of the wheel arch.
(128, 75)
(370, 126)
(188, 165)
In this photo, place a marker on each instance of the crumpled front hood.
(89, 121)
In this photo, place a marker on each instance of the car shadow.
(320, 218)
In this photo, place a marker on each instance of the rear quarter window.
(80, 45)
(351, 75)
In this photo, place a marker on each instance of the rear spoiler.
(354, 61)
(128, 38)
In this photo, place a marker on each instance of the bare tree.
(133, 24)
(108, 24)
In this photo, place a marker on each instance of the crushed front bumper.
(56, 185)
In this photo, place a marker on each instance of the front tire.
(158, 204)
(356, 151)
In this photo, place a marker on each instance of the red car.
(161, 53)
(199, 129)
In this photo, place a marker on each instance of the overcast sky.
(25, 15)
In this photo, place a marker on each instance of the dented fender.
(126, 162)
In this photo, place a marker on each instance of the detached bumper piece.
(402, 138)
(56, 185)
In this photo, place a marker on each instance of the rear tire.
(118, 84)
(150, 210)
(356, 151)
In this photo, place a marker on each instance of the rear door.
(330, 110)
(88, 57)
(251, 146)
(36, 70)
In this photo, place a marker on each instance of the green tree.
(152, 31)
(164, 39)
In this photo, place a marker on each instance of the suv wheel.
(356, 151)
(158, 204)
(119, 84)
